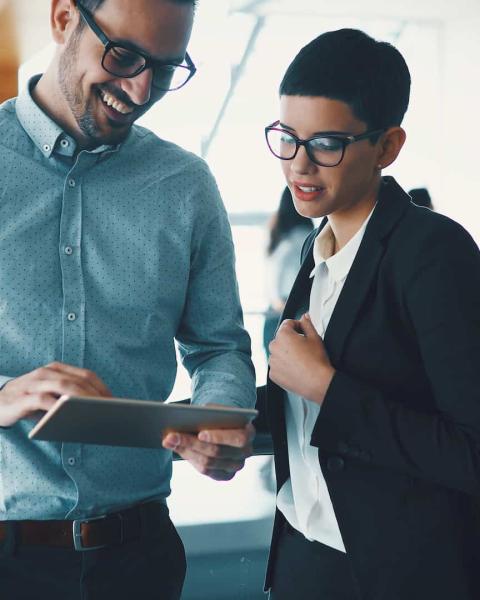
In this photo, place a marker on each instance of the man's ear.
(63, 20)
(390, 145)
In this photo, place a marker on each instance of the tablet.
(128, 422)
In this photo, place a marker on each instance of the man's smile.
(116, 104)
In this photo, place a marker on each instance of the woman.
(374, 381)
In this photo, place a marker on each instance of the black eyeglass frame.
(346, 140)
(149, 62)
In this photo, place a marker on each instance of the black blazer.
(398, 435)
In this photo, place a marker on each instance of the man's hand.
(218, 453)
(38, 390)
(298, 360)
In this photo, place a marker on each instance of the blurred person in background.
(113, 243)
(287, 233)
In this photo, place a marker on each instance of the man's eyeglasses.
(326, 150)
(120, 61)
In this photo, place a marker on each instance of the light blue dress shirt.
(106, 256)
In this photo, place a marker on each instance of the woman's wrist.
(322, 383)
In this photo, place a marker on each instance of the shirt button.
(46, 148)
(71, 461)
(64, 143)
(68, 250)
(71, 316)
(72, 182)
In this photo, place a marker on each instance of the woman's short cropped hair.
(370, 76)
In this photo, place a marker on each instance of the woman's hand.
(298, 360)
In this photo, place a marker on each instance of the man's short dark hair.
(348, 65)
(93, 5)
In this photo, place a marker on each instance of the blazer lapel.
(299, 298)
(300, 294)
(392, 203)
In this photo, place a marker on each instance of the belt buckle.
(77, 534)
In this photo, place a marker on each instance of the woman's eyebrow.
(319, 133)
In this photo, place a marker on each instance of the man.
(113, 243)
(374, 395)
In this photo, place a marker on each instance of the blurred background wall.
(9, 51)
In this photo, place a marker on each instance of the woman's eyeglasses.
(326, 150)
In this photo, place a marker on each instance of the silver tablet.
(128, 422)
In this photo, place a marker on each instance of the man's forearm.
(228, 379)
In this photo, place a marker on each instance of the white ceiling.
(404, 9)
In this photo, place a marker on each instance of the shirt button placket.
(73, 294)
(70, 249)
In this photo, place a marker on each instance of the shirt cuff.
(4, 380)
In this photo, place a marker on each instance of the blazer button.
(335, 464)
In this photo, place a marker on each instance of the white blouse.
(304, 499)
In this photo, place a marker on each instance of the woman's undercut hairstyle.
(348, 65)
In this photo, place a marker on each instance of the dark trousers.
(152, 568)
(306, 570)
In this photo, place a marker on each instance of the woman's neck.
(347, 222)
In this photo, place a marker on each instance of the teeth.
(116, 104)
(308, 189)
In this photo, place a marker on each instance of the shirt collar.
(339, 264)
(45, 133)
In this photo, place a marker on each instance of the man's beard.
(80, 107)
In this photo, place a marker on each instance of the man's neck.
(49, 98)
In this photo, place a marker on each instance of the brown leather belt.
(87, 534)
